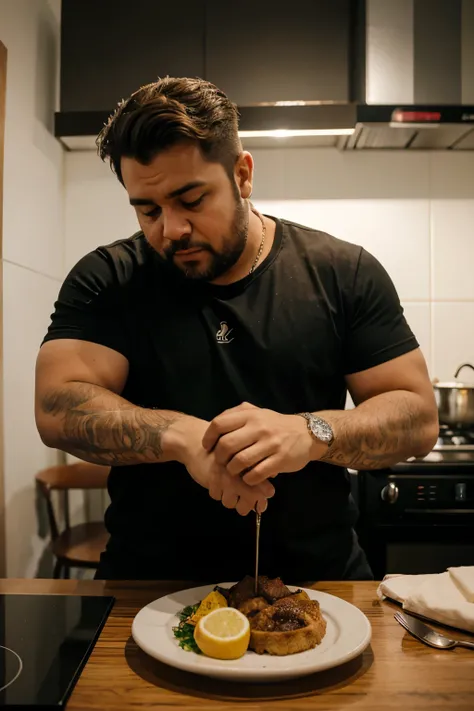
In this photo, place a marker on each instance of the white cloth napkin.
(436, 596)
(464, 579)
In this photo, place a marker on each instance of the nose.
(175, 225)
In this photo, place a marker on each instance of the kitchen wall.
(413, 211)
(33, 251)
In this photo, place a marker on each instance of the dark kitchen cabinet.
(258, 52)
(111, 47)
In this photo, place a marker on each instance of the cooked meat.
(279, 620)
(299, 605)
(253, 606)
(287, 627)
(285, 610)
(239, 593)
(272, 590)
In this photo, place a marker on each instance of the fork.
(427, 635)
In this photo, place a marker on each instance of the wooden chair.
(81, 545)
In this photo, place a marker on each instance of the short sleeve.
(89, 305)
(376, 328)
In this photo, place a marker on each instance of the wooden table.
(395, 672)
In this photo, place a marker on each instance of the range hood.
(413, 89)
(418, 77)
(411, 127)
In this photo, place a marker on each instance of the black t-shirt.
(283, 338)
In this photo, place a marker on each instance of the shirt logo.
(222, 335)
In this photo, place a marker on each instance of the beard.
(217, 263)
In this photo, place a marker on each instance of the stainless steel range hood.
(416, 79)
(413, 81)
(407, 127)
(419, 76)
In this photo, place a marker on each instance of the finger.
(230, 498)
(245, 406)
(215, 488)
(222, 424)
(249, 502)
(262, 471)
(250, 456)
(261, 506)
(231, 444)
(265, 488)
(239, 408)
(244, 507)
(250, 498)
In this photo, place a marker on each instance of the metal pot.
(455, 401)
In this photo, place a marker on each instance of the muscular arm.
(395, 416)
(79, 409)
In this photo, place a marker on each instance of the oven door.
(418, 521)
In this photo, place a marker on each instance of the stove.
(418, 515)
(45, 640)
(452, 447)
(454, 440)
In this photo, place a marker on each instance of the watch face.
(321, 429)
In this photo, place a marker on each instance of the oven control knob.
(389, 493)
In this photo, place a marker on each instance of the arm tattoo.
(381, 431)
(104, 428)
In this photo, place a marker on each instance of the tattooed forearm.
(104, 428)
(381, 431)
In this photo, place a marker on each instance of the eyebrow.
(174, 193)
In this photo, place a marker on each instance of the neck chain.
(262, 241)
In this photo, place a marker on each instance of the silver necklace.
(262, 242)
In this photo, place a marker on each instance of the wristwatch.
(319, 429)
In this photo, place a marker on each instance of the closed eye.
(153, 213)
(195, 203)
(156, 211)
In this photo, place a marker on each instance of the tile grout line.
(432, 265)
(30, 269)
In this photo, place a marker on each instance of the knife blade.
(257, 548)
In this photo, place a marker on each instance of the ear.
(244, 174)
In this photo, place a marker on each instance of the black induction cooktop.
(45, 641)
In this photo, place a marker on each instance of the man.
(207, 360)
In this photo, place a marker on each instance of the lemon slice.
(211, 602)
(223, 634)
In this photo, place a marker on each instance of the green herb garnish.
(184, 632)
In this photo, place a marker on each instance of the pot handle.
(464, 365)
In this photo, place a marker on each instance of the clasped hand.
(256, 444)
(236, 454)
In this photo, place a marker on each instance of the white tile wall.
(28, 300)
(453, 249)
(453, 339)
(451, 175)
(325, 173)
(413, 211)
(33, 244)
(33, 178)
(96, 207)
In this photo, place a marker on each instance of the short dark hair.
(166, 112)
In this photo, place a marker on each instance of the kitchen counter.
(395, 672)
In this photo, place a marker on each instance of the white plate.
(348, 634)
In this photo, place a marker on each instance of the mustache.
(186, 243)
